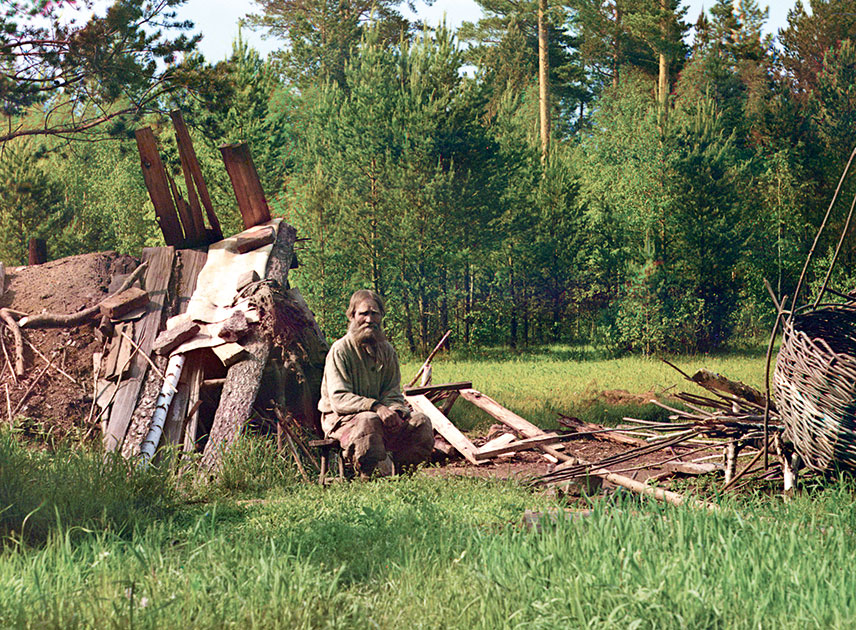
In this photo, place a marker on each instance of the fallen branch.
(56, 320)
(18, 336)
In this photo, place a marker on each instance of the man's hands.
(391, 419)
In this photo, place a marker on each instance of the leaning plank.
(510, 419)
(519, 445)
(154, 175)
(246, 184)
(444, 427)
(188, 160)
(196, 228)
(157, 278)
(244, 377)
(442, 387)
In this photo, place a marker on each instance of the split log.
(188, 159)
(54, 320)
(155, 178)
(244, 377)
(247, 186)
(123, 303)
(716, 382)
(599, 432)
(430, 356)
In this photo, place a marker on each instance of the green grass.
(542, 383)
(120, 547)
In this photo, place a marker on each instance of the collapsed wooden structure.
(206, 329)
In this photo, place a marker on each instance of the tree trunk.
(543, 78)
(663, 83)
(244, 377)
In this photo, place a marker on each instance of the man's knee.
(362, 440)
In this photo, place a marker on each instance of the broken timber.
(444, 427)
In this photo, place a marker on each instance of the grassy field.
(106, 545)
(540, 384)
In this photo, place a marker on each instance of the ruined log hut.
(247, 340)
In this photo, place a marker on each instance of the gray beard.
(368, 336)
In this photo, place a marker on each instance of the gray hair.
(360, 296)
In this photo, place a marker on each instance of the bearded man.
(361, 401)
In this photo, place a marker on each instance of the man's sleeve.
(340, 388)
(391, 395)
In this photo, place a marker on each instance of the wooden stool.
(326, 448)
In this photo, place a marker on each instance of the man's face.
(365, 324)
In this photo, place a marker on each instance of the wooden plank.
(169, 340)
(126, 349)
(510, 419)
(192, 262)
(156, 281)
(246, 184)
(154, 175)
(518, 445)
(183, 212)
(123, 303)
(173, 426)
(195, 375)
(442, 387)
(254, 239)
(189, 164)
(444, 427)
(446, 407)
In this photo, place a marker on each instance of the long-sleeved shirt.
(354, 381)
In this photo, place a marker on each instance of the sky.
(217, 20)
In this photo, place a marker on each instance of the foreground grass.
(438, 553)
(107, 545)
(542, 383)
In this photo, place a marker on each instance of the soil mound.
(52, 406)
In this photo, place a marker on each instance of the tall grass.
(41, 491)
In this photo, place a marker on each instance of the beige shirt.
(354, 381)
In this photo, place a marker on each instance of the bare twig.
(50, 363)
(9, 406)
(8, 361)
(29, 389)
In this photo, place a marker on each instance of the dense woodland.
(672, 169)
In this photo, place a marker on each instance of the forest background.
(680, 168)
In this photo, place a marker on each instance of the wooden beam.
(157, 184)
(444, 427)
(510, 419)
(189, 164)
(442, 387)
(246, 184)
(156, 280)
(518, 445)
(196, 229)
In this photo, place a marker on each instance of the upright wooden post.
(37, 251)
(245, 181)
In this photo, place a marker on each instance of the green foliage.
(31, 204)
(113, 66)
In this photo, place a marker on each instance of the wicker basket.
(815, 385)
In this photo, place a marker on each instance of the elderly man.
(361, 402)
